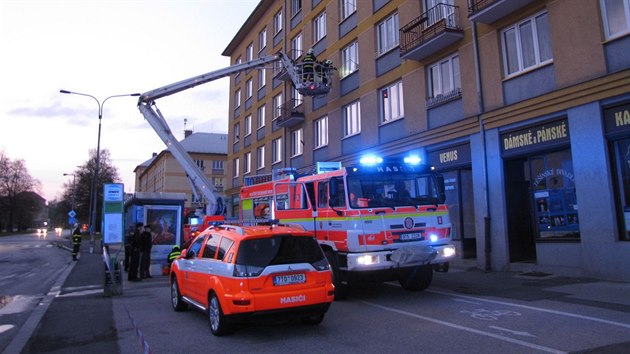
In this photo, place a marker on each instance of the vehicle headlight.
(367, 259)
(448, 251)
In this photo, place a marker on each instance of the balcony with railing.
(436, 29)
(291, 114)
(489, 11)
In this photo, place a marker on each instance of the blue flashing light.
(412, 160)
(370, 160)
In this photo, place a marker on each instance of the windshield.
(369, 191)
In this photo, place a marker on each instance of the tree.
(15, 181)
(81, 186)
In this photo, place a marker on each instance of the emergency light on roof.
(370, 160)
(412, 160)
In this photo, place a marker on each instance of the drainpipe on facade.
(482, 131)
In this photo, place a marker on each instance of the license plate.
(413, 236)
(288, 279)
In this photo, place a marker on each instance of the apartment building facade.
(523, 105)
(163, 174)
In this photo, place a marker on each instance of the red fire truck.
(379, 220)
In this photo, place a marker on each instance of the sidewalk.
(80, 319)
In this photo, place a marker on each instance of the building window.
(277, 106)
(348, 7)
(392, 106)
(237, 98)
(616, 15)
(248, 125)
(261, 116)
(250, 52)
(262, 78)
(296, 6)
(237, 166)
(200, 164)
(349, 59)
(262, 39)
(237, 132)
(296, 142)
(352, 119)
(526, 45)
(387, 36)
(621, 151)
(296, 45)
(296, 98)
(217, 165)
(260, 157)
(217, 181)
(249, 88)
(276, 150)
(321, 132)
(444, 77)
(247, 162)
(277, 22)
(319, 27)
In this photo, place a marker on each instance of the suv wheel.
(419, 278)
(218, 323)
(176, 297)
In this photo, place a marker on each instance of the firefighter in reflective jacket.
(76, 242)
(308, 65)
(173, 255)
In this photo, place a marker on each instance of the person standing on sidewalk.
(146, 243)
(134, 260)
(76, 242)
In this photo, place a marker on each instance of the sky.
(104, 48)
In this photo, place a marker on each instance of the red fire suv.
(238, 274)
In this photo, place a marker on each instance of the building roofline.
(248, 25)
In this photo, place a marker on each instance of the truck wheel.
(176, 297)
(419, 278)
(341, 290)
(218, 323)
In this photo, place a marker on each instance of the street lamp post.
(93, 193)
(74, 187)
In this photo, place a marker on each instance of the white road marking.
(511, 331)
(5, 327)
(539, 309)
(80, 293)
(467, 329)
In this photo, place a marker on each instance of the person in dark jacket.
(134, 261)
(76, 242)
(146, 243)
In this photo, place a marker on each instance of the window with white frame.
(261, 116)
(296, 142)
(277, 106)
(237, 132)
(237, 98)
(349, 59)
(348, 7)
(236, 165)
(249, 89)
(320, 129)
(277, 22)
(296, 6)
(352, 119)
(296, 98)
(296, 45)
(217, 181)
(440, 10)
(444, 76)
(526, 44)
(392, 102)
(262, 78)
(250, 52)
(616, 14)
(276, 150)
(247, 162)
(319, 27)
(387, 36)
(262, 39)
(260, 157)
(200, 164)
(248, 125)
(217, 165)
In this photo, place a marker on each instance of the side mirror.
(441, 188)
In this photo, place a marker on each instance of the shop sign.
(617, 119)
(450, 157)
(536, 137)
